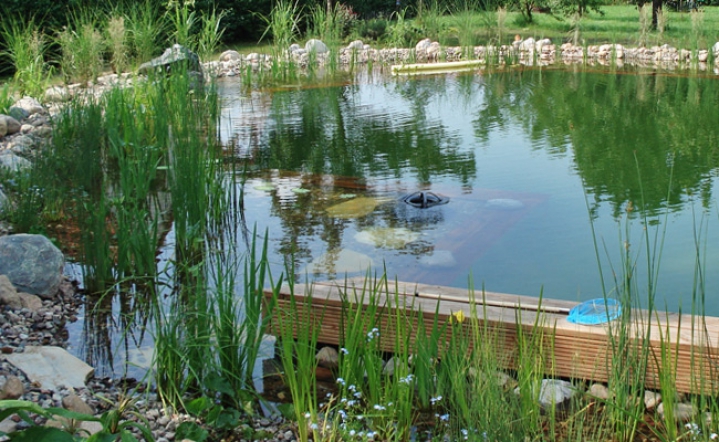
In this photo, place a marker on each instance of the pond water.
(539, 165)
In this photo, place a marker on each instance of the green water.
(530, 159)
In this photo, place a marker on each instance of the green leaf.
(41, 434)
(192, 431)
(227, 419)
(287, 411)
(219, 384)
(198, 406)
(102, 436)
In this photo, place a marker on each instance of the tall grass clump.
(401, 32)
(117, 42)
(283, 23)
(26, 47)
(77, 158)
(645, 24)
(330, 24)
(146, 26)
(186, 125)
(136, 208)
(429, 18)
(466, 19)
(182, 19)
(210, 33)
(82, 47)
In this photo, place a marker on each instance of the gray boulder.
(173, 58)
(3, 201)
(22, 145)
(11, 125)
(32, 263)
(29, 105)
(8, 294)
(315, 46)
(13, 163)
(230, 56)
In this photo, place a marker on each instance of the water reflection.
(648, 139)
(547, 139)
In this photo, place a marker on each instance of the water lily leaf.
(387, 237)
(346, 196)
(354, 208)
(264, 187)
(300, 190)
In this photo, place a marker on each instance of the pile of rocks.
(524, 51)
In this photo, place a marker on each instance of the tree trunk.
(656, 7)
(329, 7)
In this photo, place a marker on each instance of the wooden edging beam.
(683, 344)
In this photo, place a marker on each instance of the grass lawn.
(621, 24)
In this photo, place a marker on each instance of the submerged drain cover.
(424, 200)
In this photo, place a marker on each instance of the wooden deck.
(569, 350)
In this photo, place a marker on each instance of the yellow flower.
(457, 317)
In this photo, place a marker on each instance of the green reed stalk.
(425, 359)
(26, 46)
(298, 343)
(171, 367)
(239, 324)
(532, 364)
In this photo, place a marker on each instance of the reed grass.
(283, 23)
(146, 26)
(299, 365)
(26, 47)
(182, 18)
(82, 46)
(210, 33)
(117, 42)
(429, 18)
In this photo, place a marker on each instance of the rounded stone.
(32, 263)
(230, 55)
(316, 46)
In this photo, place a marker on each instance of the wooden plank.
(572, 350)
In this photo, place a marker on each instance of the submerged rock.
(354, 208)
(387, 237)
(439, 258)
(339, 261)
